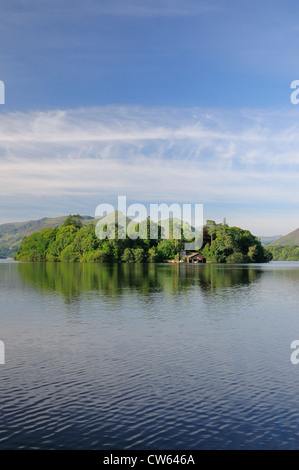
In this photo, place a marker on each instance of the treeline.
(224, 244)
(284, 253)
(73, 241)
(7, 252)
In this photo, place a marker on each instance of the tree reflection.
(73, 279)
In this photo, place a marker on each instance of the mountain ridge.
(11, 233)
(267, 240)
(290, 239)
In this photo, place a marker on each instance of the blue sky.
(161, 101)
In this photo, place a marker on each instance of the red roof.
(196, 255)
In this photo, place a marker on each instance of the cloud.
(151, 155)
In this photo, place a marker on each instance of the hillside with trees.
(224, 244)
(11, 234)
(291, 239)
(73, 242)
(286, 248)
(284, 253)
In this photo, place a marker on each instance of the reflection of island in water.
(72, 279)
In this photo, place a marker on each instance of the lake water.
(154, 356)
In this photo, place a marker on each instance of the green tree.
(166, 250)
(211, 228)
(138, 255)
(75, 220)
(237, 257)
(69, 255)
(128, 255)
(153, 254)
(99, 256)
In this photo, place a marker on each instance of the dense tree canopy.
(284, 253)
(232, 245)
(74, 241)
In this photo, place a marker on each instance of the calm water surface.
(149, 356)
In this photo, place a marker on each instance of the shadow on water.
(73, 279)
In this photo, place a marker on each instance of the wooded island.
(74, 241)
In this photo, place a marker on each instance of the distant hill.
(269, 240)
(11, 234)
(288, 240)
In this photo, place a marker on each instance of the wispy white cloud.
(151, 155)
(244, 139)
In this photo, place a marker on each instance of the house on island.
(196, 258)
